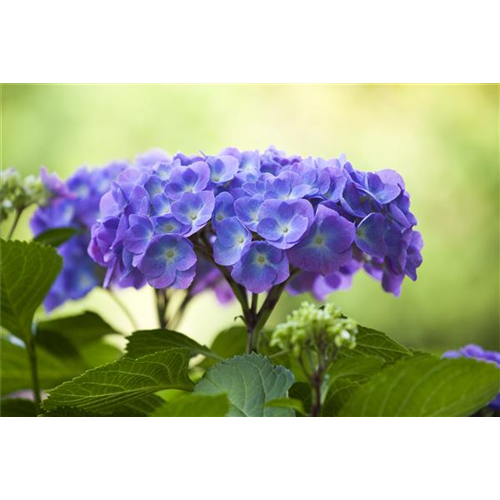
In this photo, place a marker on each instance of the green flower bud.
(17, 193)
(319, 329)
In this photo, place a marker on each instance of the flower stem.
(175, 320)
(161, 307)
(31, 349)
(255, 302)
(316, 382)
(124, 309)
(14, 224)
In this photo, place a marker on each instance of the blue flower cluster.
(262, 219)
(476, 352)
(74, 203)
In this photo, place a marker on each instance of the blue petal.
(370, 235)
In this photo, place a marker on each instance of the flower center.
(261, 259)
(319, 240)
(193, 216)
(170, 254)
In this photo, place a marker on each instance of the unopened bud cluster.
(17, 193)
(315, 328)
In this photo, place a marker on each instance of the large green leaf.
(15, 369)
(374, 343)
(195, 405)
(227, 344)
(28, 271)
(426, 386)
(339, 392)
(107, 388)
(56, 236)
(250, 382)
(138, 408)
(294, 404)
(359, 367)
(346, 375)
(17, 408)
(146, 342)
(65, 336)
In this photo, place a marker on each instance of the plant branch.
(176, 318)
(31, 349)
(14, 224)
(161, 307)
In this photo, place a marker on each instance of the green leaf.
(346, 375)
(195, 405)
(15, 369)
(99, 353)
(227, 344)
(149, 341)
(302, 392)
(105, 389)
(57, 236)
(17, 408)
(337, 396)
(374, 343)
(250, 382)
(65, 336)
(28, 271)
(292, 403)
(427, 386)
(360, 368)
(137, 408)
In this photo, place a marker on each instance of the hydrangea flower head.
(75, 203)
(476, 352)
(259, 219)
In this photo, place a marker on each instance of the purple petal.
(370, 235)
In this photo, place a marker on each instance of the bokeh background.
(443, 139)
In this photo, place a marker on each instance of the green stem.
(316, 383)
(31, 349)
(174, 322)
(161, 307)
(255, 302)
(266, 310)
(238, 290)
(14, 224)
(124, 309)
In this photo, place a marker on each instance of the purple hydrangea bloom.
(75, 204)
(259, 218)
(222, 168)
(326, 245)
(261, 267)
(231, 241)
(54, 184)
(283, 223)
(224, 208)
(476, 352)
(247, 209)
(194, 210)
(169, 260)
(191, 179)
(370, 235)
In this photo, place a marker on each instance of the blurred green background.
(443, 139)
